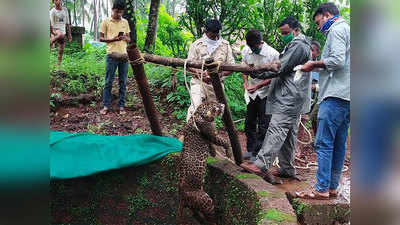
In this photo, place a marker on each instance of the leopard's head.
(209, 110)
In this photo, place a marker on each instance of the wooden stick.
(227, 117)
(140, 75)
(175, 62)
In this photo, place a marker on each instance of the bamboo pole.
(175, 62)
(140, 76)
(227, 117)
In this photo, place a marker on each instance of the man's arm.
(103, 39)
(126, 37)
(230, 59)
(68, 25)
(192, 55)
(245, 80)
(69, 32)
(51, 23)
(336, 58)
(292, 57)
(103, 30)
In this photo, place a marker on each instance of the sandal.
(314, 195)
(333, 194)
(252, 168)
(104, 111)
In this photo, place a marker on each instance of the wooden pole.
(140, 75)
(227, 117)
(175, 62)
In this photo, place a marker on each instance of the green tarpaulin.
(82, 154)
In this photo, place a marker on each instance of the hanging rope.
(310, 140)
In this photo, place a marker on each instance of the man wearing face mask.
(210, 45)
(333, 99)
(255, 53)
(287, 99)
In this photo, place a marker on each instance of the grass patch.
(299, 206)
(211, 160)
(247, 176)
(278, 216)
(268, 194)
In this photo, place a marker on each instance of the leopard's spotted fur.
(199, 136)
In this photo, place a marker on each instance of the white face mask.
(211, 41)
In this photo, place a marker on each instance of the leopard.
(199, 136)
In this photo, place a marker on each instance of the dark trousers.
(111, 66)
(256, 125)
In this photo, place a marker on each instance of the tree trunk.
(75, 21)
(83, 12)
(152, 25)
(173, 8)
(130, 15)
(95, 20)
(91, 26)
(107, 14)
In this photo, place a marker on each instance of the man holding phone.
(114, 31)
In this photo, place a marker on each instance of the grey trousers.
(280, 141)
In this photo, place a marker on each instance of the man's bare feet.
(265, 174)
(104, 111)
(122, 111)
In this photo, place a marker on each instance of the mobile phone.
(120, 34)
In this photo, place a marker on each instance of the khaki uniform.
(198, 52)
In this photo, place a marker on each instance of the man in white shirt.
(59, 22)
(255, 53)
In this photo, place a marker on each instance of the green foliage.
(299, 206)
(83, 69)
(138, 202)
(171, 39)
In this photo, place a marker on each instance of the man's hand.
(69, 38)
(252, 88)
(245, 86)
(117, 38)
(313, 87)
(276, 65)
(308, 67)
(125, 38)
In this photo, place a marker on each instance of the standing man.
(256, 53)
(287, 99)
(334, 98)
(59, 24)
(210, 45)
(316, 50)
(114, 31)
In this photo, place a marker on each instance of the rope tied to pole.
(214, 69)
(138, 61)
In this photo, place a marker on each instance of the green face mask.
(287, 38)
(256, 50)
